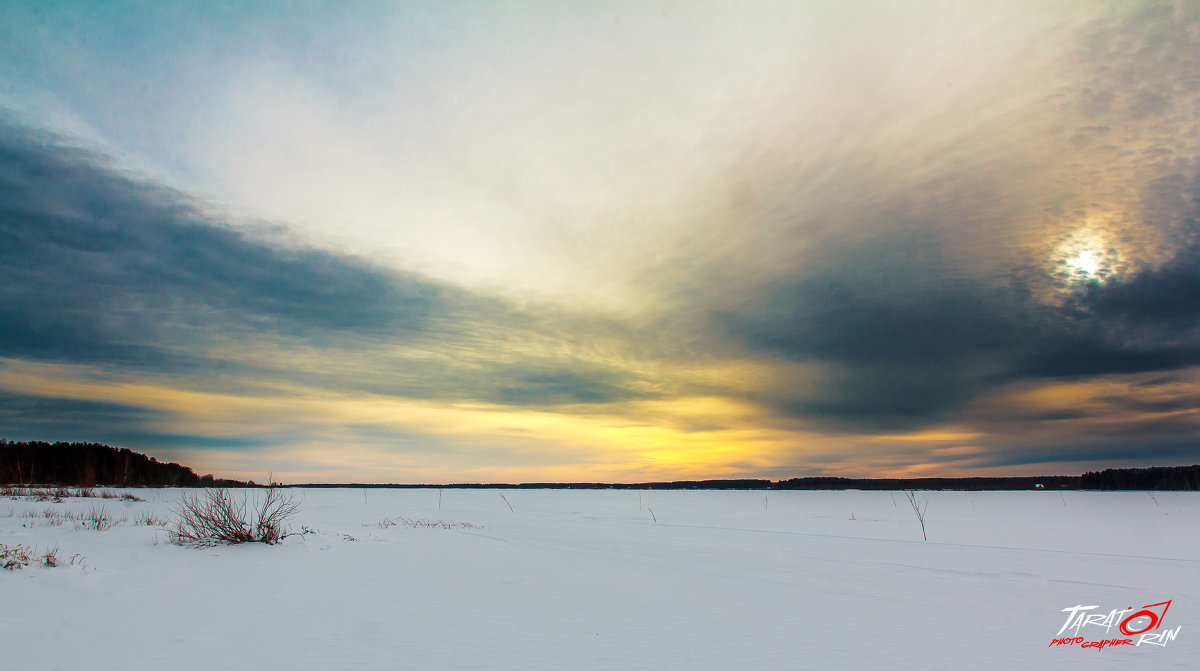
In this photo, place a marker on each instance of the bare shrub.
(220, 517)
(50, 557)
(131, 497)
(918, 509)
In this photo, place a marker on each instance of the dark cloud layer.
(1167, 296)
(23, 414)
(25, 417)
(1147, 321)
(906, 344)
(1143, 449)
(553, 385)
(99, 266)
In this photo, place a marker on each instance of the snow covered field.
(612, 580)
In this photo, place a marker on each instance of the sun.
(1085, 262)
(1087, 255)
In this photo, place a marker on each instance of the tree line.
(1183, 478)
(91, 464)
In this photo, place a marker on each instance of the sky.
(423, 242)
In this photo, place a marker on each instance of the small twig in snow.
(919, 510)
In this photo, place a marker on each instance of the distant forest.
(88, 464)
(1158, 478)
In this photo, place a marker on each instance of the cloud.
(102, 267)
(896, 358)
(1162, 296)
(918, 267)
(873, 223)
(893, 342)
(24, 416)
(1134, 450)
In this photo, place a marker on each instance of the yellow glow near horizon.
(930, 436)
(310, 435)
(488, 440)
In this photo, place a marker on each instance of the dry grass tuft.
(98, 519)
(19, 556)
(15, 557)
(149, 520)
(423, 523)
(60, 493)
(35, 493)
(54, 518)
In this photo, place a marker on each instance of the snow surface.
(611, 579)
